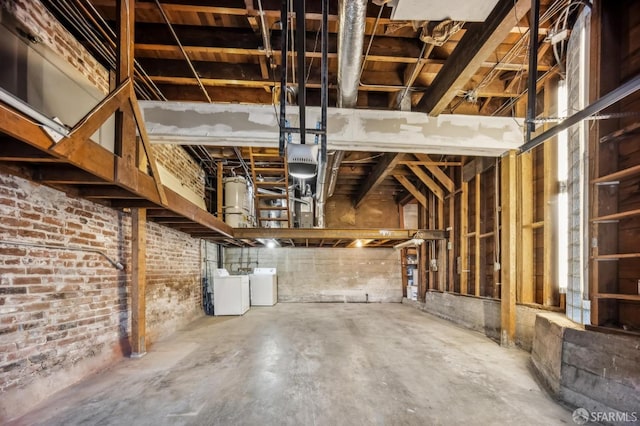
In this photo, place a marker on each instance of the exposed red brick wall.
(173, 280)
(62, 307)
(175, 159)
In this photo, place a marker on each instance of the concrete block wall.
(479, 314)
(599, 372)
(66, 313)
(326, 274)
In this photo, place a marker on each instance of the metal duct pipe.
(353, 17)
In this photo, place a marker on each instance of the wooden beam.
(437, 172)
(526, 282)
(451, 241)
(412, 189)
(476, 45)
(126, 145)
(12, 151)
(138, 282)
(337, 234)
(146, 143)
(508, 251)
(430, 183)
(102, 192)
(66, 175)
(384, 168)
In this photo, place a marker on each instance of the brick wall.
(65, 313)
(176, 160)
(173, 291)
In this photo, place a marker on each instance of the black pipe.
(324, 79)
(284, 22)
(301, 52)
(533, 67)
(605, 101)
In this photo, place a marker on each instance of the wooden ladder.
(270, 172)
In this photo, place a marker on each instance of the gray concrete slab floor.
(313, 364)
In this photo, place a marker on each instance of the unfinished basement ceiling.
(477, 69)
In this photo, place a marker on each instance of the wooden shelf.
(613, 296)
(621, 174)
(616, 256)
(617, 216)
(625, 131)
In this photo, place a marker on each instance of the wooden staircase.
(270, 172)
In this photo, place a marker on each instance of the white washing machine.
(230, 293)
(264, 287)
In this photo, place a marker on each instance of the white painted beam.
(348, 129)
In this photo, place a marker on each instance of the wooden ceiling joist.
(476, 46)
(334, 234)
(406, 183)
(382, 170)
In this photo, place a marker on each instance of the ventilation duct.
(353, 17)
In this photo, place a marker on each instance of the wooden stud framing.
(509, 249)
(451, 242)
(525, 292)
(464, 229)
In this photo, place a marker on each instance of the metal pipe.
(118, 265)
(25, 108)
(265, 35)
(284, 21)
(605, 101)
(184, 52)
(533, 67)
(324, 81)
(301, 39)
(353, 14)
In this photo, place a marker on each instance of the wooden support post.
(477, 255)
(441, 250)
(431, 224)
(464, 242)
(126, 146)
(451, 241)
(422, 253)
(508, 250)
(138, 282)
(526, 284)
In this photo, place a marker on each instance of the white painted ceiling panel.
(438, 10)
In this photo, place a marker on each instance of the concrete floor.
(308, 364)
